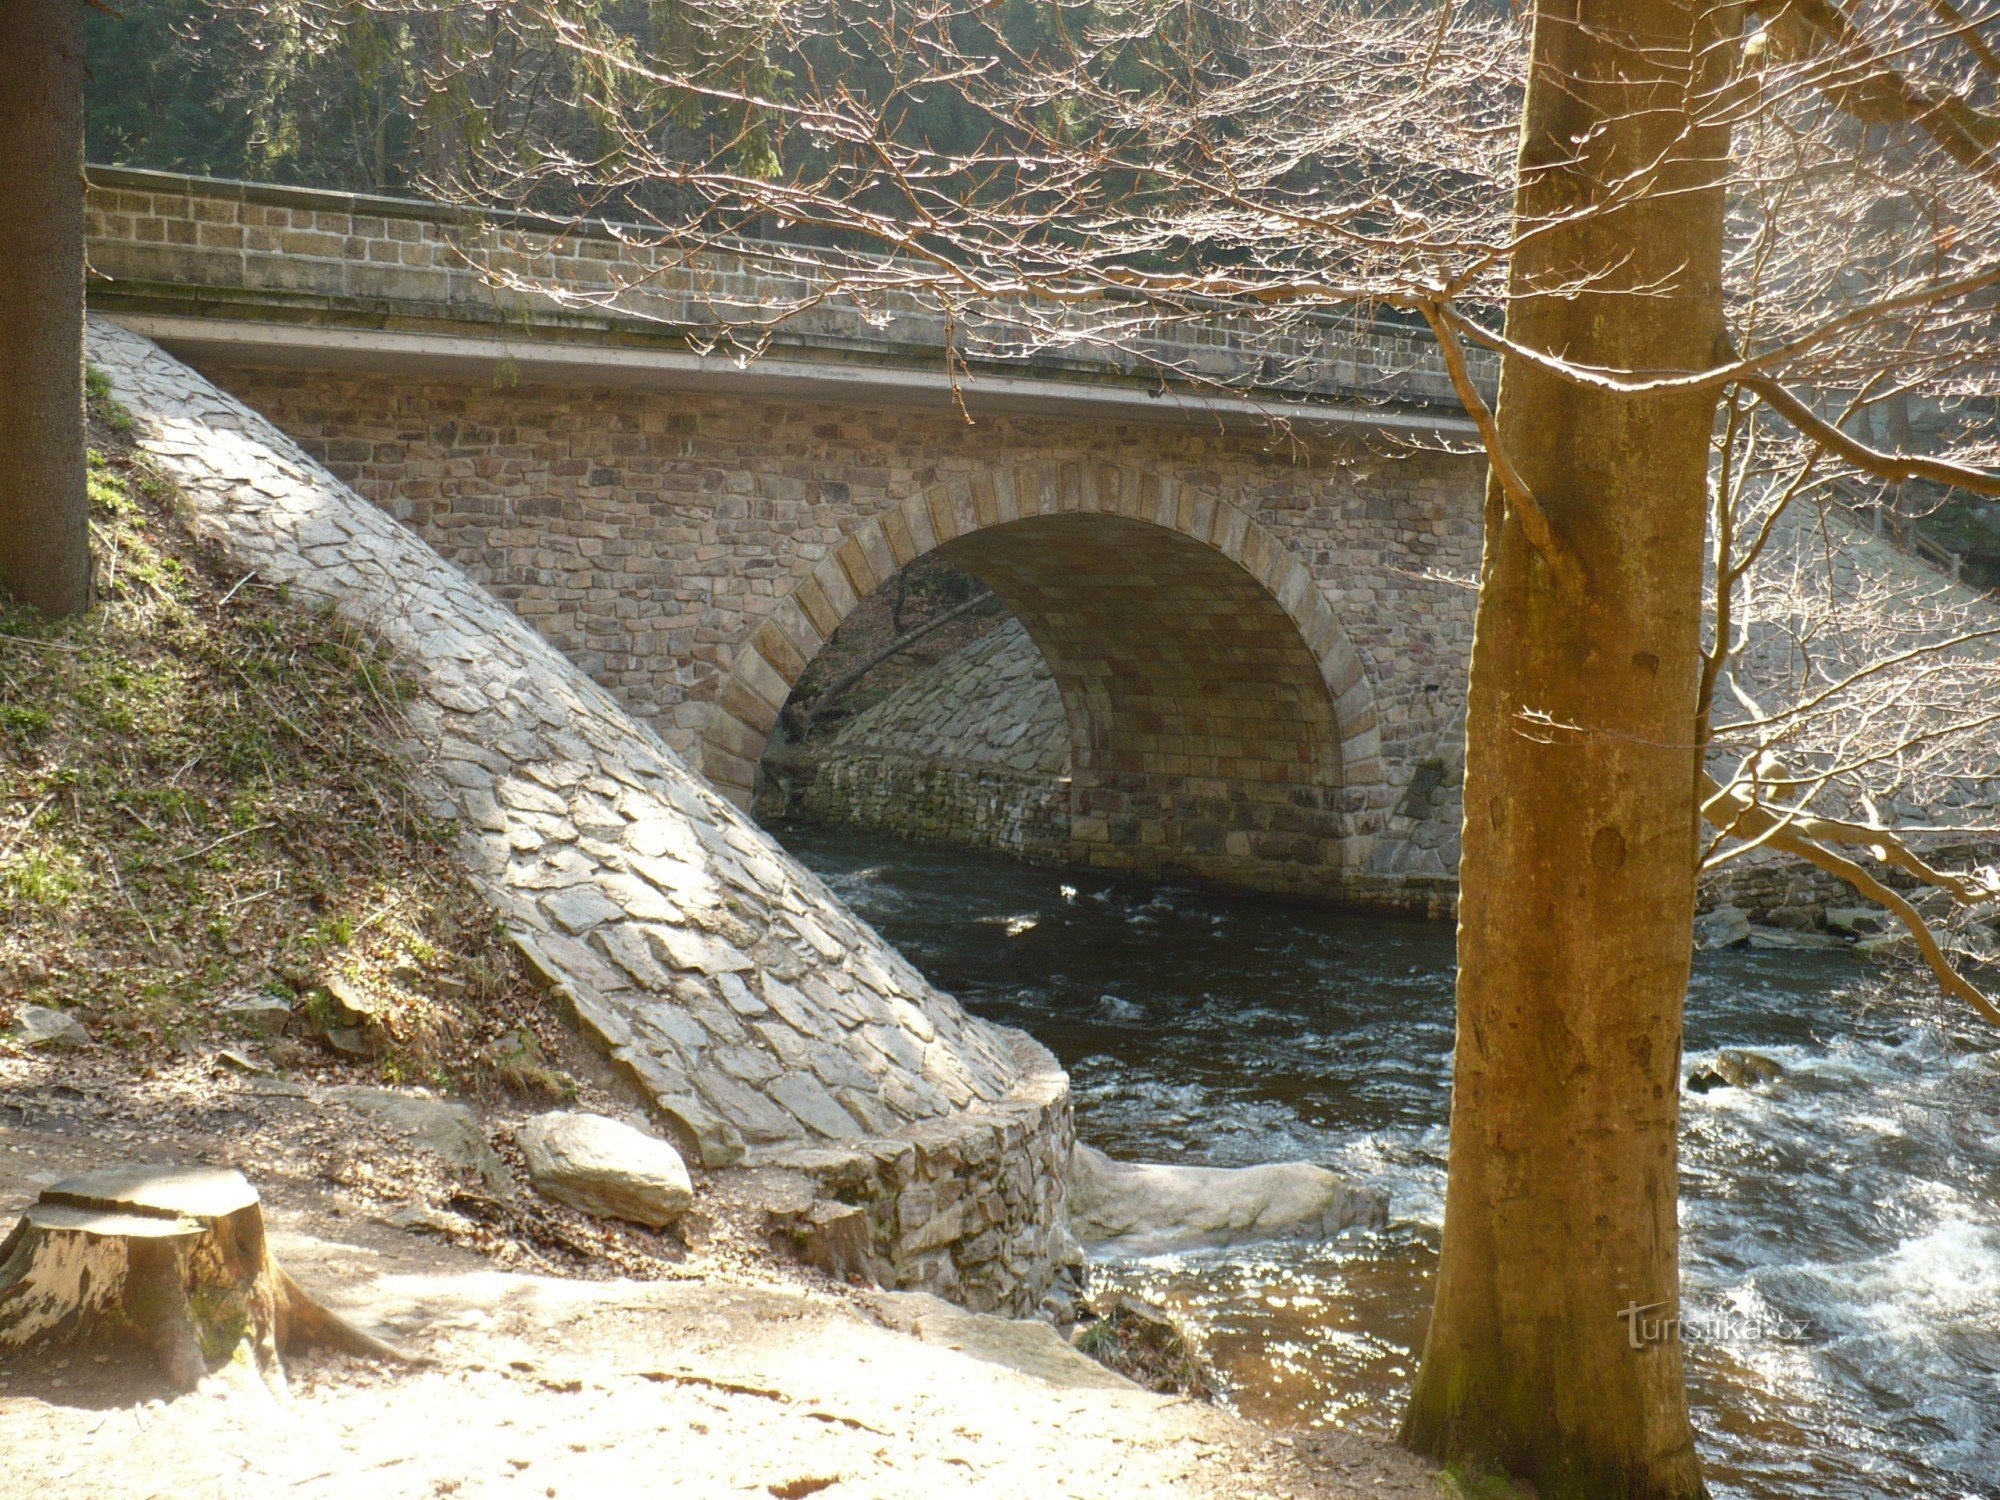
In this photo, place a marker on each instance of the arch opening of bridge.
(1218, 715)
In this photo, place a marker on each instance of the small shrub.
(24, 722)
(1149, 1346)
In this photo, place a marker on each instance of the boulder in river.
(606, 1168)
(1736, 1069)
(1858, 921)
(1724, 927)
(1145, 1208)
(1886, 944)
(1795, 941)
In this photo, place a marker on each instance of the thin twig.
(227, 838)
(22, 640)
(234, 587)
(111, 863)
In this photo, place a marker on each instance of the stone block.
(606, 1168)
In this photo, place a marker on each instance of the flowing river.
(1841, 1226)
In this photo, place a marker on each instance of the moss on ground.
(199, 803)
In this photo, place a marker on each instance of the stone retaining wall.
(993, 703)
(973, 752)
(964, 805)
(760, 1019)
(975, 1210)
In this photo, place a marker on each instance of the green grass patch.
(199, 800)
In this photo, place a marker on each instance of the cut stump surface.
(169, 1263)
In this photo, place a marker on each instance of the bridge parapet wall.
(167, 243)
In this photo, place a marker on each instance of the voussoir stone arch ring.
(763, 669)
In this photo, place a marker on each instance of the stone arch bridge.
(1258, 633)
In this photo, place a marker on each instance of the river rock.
(42, 1026)
(1736, 1069)
(1857, 921)
(1145, 1208)
(1887, 944)
(1724, 927)
(606, 1168)
(256, 1014)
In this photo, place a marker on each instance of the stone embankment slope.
(972, 751)
(764, 1023)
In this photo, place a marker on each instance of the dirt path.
(727, 1372)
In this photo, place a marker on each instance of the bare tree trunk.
(1577, 878)
(44, 511)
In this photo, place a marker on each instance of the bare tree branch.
(1527, 509)
(1894, 467)
(1738, 817)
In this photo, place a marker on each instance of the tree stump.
(170, 1262)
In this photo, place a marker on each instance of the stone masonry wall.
(973, 752)
(691, 551)
(766, 1025)
(653, 537)
(992, 704)
(913, 760)
(959, 803)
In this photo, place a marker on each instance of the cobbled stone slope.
(765, 1022)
